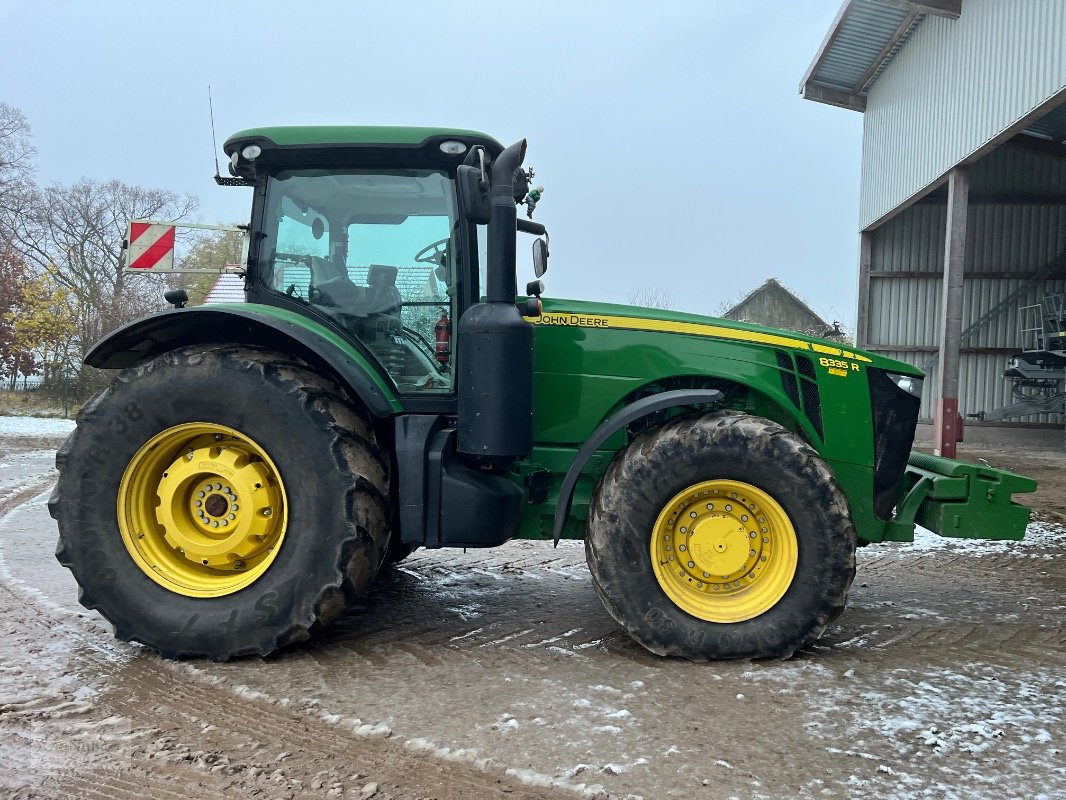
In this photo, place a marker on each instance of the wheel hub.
(724, 551)
(202, 509)
(719, 546)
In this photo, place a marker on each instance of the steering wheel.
(435, 253)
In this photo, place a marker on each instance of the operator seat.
(382, 296)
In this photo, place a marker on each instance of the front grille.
(895, 416)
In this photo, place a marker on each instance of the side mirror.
(473, 194)
(176, 297)
(540, 256)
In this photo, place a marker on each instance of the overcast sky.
(670, 137)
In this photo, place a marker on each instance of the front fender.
(248, 324)
(609, 427)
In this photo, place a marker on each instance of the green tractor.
(252, 466)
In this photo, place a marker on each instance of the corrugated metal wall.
(954, 87)
(1004, 240)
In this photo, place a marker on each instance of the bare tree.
(650, 296)
(16, 161)
(74, 233)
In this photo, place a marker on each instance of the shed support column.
(946, 427)
(862, 313)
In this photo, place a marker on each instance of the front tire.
(214, 503)
(721, 536)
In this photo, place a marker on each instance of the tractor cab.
(363, 229)
(376, 253)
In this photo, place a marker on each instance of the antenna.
(235, 181)
(214, 143)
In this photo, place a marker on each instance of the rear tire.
(306, 483)
(721, 536)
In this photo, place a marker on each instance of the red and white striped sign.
(151, 246)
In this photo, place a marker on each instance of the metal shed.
(963, 201)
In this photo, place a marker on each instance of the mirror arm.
(529, 226)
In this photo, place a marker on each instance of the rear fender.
(276, 329)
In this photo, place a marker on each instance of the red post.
(945, 427)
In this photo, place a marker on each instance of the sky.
(670, 137)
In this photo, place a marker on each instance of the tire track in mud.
(161, 729)
(509, 631)
(960, 601)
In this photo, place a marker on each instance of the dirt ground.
(498, 674)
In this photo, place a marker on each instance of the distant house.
(229, 288)
(774, 305)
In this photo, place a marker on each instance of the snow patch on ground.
(1039, 536)
(950, 718)
(35, 426)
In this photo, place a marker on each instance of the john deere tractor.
(384, 387)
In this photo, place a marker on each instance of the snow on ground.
(35, 426)
(1039, 538)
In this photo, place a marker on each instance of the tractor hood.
(584, 314)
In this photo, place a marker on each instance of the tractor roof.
(358, 136)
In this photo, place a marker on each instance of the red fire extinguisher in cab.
(444, 338)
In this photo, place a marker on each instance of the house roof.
(229, 288)
(750, 308)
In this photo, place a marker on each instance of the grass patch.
(33, 404)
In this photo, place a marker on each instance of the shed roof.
(863, 40)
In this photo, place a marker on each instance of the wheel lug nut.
(706, 574)
(751, 553)
(728, 507)
(681, 547)
(751, 534)
(199, 503)
(267, 512)
(691, 565)
(214, 524)
(232, 516)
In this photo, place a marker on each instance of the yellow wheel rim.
(724, 551)
(202, 510)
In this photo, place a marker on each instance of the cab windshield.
(373, 250)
